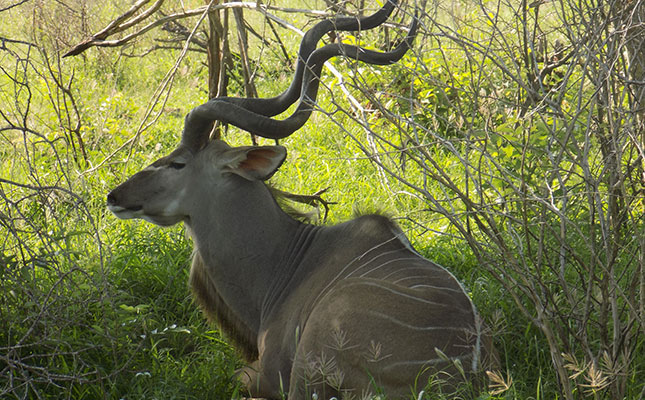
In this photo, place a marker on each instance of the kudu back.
(328, 310)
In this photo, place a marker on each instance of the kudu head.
(163, 193)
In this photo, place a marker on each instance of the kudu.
(314, 309)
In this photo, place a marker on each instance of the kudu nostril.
(111, 199)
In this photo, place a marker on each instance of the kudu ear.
(254, 162)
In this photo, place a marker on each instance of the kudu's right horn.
(253, 114)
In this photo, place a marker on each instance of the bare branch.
(9, 7)
(119, 25)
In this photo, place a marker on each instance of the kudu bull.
(314, 309)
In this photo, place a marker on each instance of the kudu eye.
(176, 165)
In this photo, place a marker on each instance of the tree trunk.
(249, 86)
(215, 33)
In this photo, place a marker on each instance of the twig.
(100, 39)
(311, 200)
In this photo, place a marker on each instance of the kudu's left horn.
(253, 114)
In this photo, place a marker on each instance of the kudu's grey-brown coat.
(314, 309)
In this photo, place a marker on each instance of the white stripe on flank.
(426, 278)
(416, 328)
(404, 240)
(477, 351)
(420, 286)
(386, 263)
(371, 260)
(412, 267)
(396, 292)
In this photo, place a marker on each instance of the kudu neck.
(242, 218)
(242, 235)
